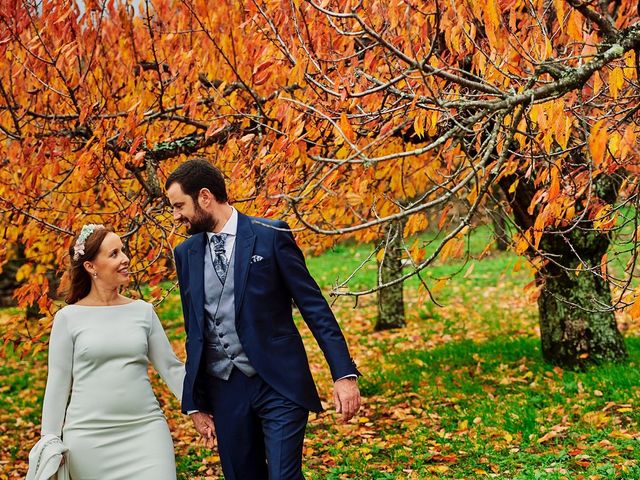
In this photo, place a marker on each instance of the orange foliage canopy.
(338, 116)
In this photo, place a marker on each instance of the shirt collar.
(231, 227)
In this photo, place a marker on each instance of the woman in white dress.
(98, 397)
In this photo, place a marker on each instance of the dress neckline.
(104, 306)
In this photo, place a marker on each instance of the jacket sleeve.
(163, 357)
(59, 377)
(312, 305)
(188, 403)
(177, 260)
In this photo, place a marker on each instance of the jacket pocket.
(285, 337)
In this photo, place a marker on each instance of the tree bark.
(500, 232)
(391, 299)
(499, 221)
(575, 327)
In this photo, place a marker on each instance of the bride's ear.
(88, 266)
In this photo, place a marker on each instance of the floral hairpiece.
(87, 230)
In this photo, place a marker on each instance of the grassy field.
(461, 392)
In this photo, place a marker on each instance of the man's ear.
(206, 198)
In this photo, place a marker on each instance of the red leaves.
(261, 73)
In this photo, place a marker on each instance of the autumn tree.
(538, 99)
(342, 117)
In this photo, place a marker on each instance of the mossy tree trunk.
(577, 323)
(391, 299)
(577, 326)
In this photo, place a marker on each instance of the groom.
(247, 375)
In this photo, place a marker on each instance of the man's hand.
(205, 427)
(347, 397)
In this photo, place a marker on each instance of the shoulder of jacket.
(182, 247)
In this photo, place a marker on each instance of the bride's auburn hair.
(76, 282)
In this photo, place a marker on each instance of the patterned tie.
(220, 262)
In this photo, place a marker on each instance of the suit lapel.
(196, 278)
(245, 241)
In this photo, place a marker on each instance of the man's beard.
(201, 222)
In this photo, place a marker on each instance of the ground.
(461, 392)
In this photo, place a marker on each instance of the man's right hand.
(205, 427)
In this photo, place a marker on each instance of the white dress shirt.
(231, 229)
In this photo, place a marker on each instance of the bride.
(98, 398)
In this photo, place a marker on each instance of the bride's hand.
(203, 424)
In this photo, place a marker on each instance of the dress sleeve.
(163, 357)
(59, 377)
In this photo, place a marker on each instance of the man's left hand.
(347, 397)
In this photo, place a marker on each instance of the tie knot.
(218, 240)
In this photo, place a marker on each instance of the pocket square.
(256, 259)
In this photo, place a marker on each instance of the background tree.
(340, 117)
(538, 98)
(390, 264)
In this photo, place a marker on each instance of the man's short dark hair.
(196, 174)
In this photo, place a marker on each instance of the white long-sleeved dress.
(99, 398)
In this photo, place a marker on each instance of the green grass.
(487, 405)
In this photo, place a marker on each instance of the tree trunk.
(391, 299)
(577, 323)
(500, 232)
(575, 327)
(499, 220)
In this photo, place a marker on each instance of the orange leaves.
(556, 432)
(345, 126)
(598, 139)
(371, 59)
(626, 145)
(575, 26)
(554, 188)
(553, 122)
(605, 218)
(415, 224)
(616, 81)
(296, 93)
(492, 20)
(634, 309)
(419, 124)
(387, 127)
(454, 247)
(563, 125)
(560, 12)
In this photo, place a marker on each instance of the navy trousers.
(260, 432)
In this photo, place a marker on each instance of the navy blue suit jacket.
(263, 292)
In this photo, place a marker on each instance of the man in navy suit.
(248, 381)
